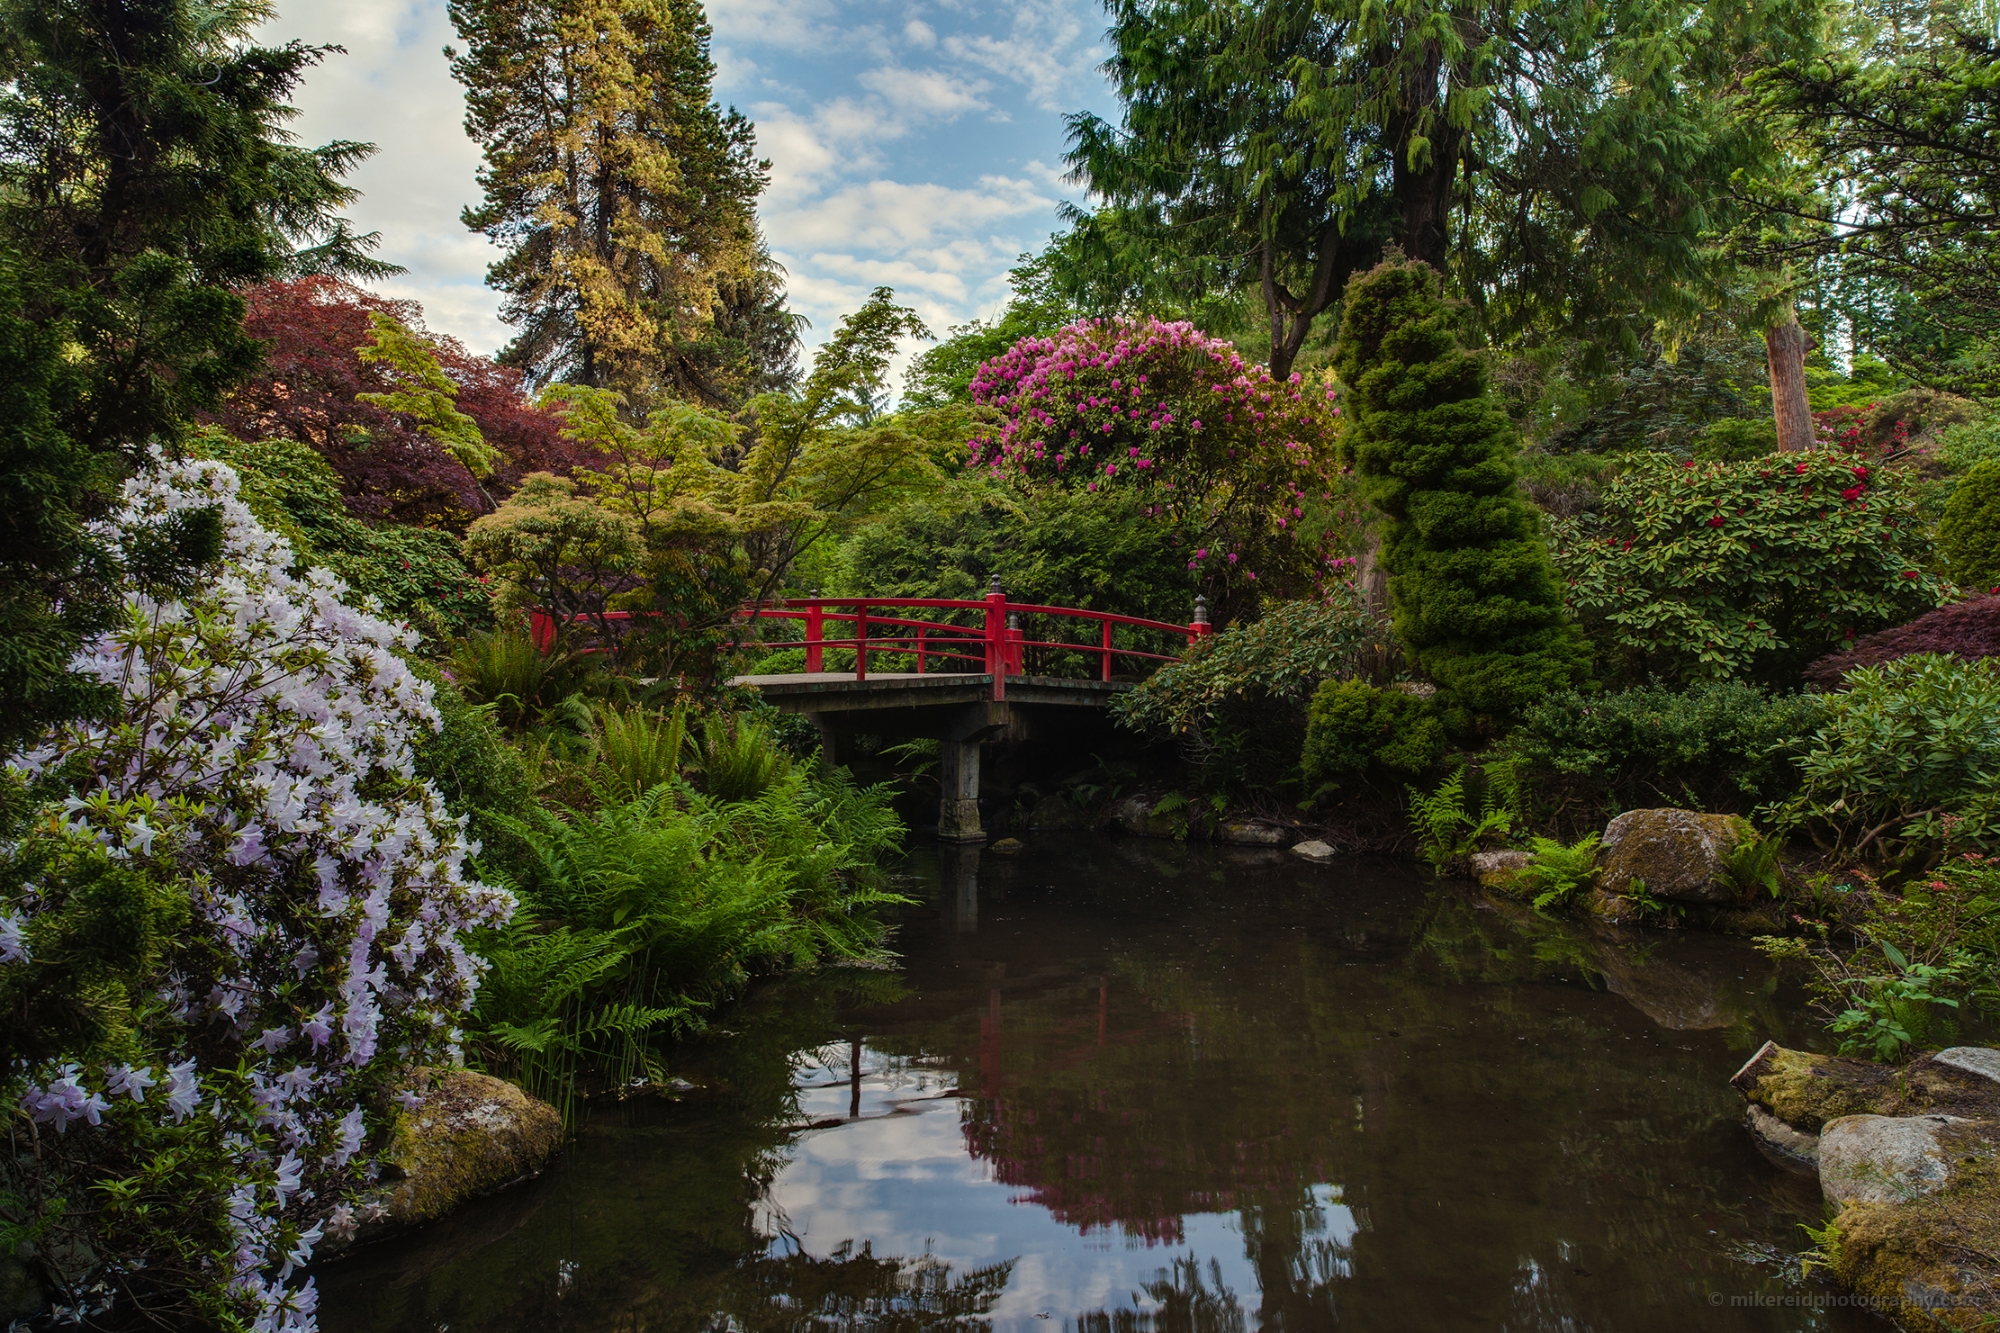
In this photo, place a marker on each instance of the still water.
(1123, 1085)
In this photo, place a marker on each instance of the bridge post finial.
(1200, 609)
(993, 586)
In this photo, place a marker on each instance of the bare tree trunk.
(1785, 346)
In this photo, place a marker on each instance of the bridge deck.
(840, 692)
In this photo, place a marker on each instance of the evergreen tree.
(144, 177)
(623, 196)
(1475, 599)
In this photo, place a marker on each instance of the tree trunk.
(1785, 346)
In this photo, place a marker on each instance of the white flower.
(13, 939)
(183, 1090)
(123, 1080)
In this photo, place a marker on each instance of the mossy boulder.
(1676, 855)
(1135, 815)
(1806, 1090)
(1922, 1238)
(471, 1135)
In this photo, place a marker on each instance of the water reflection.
(1130, 1086)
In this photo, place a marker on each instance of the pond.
(1129, 1085)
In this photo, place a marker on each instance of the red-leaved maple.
(390, 470)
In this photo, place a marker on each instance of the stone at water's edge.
(1135, 815)
(1007, 847)
(1678, 855)
(1314, 850)
(1496, 870)
(1058, 812)
(471, 1135)
(1910, 1158)
(1981, 1060)
(1246, 834)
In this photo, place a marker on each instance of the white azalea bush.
(230, 925)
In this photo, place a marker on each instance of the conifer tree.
(1476, 602)
(623, 196)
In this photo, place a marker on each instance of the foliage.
(634, 750)
(558, 550)
(1907, 763)
(1969, 533)
(942, 375)
(1281, 659)
(1933, 945)
(1272, 147)
(716, 520)
(469, 760)
(1716, 746)
(637, 917)
(503, 669)
(621, 196)
(237, 882)
(1357, 733)
(1225, 458)
(1476, 605)
(1968, 629)
(409, 419)
(1897, 120)
(738, 759)
(1448, 826)
(417, 575)
(1744, 570)
(1094, 550)
(146, 175)
(1555, 872)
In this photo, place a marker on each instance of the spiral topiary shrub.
(1477, 605)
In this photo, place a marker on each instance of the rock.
(1496, 870)
(1253, 835)
(1806, 1090)
(472, 1135)
(1933, 1259)
(1883, 1158)
(1007, 847)
(1615, 908)
(1314, 851)
(1678, 855)
(1981, 1060)
(20, 1294)
(1135, 815)
(1058, 812)
(1784, 1146)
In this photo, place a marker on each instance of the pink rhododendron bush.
(1236, 466)
(230, 925)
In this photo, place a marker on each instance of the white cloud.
(1042, 51)
(919, 33)
(927, 92)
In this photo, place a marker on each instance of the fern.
(1555, 872)
(1447, 832)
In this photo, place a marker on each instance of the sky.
(913, 143)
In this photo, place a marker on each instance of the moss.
(1806, 1090)
(1934, 1262)
(472, 1134)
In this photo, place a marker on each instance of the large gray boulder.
(1677, 855)
(1884, 1158)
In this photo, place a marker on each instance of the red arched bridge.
(961, 671)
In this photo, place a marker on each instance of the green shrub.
(636, 918)
(1969, 532)
(478, 772)
(1716, 746)
(1731, 571)
(633, 750)
(1477, 605)
(1907, 764)
(419, 575)
(1356, 733)
(1237, 705)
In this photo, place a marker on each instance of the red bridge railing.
(995, 644)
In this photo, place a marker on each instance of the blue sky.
(913, 143)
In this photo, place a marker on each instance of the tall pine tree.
(1476, 602)
(623, 196)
